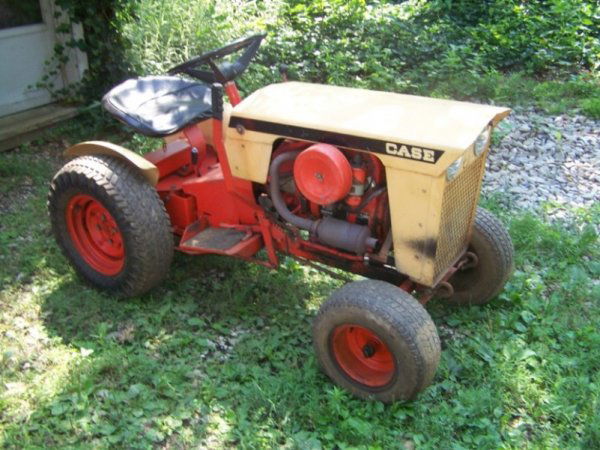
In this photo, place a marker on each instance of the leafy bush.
(101, 42)
(591, 107)
(339, 42)
(538, 37)
(484, 50)
(492, 50)
(162, 34)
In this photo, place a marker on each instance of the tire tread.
(401, 312)
(137, 208)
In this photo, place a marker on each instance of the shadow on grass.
(175, 366)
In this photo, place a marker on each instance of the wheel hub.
(362, 355)
(368, 351)
(95, 234)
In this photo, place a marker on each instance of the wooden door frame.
(68, 73)
(72, 71)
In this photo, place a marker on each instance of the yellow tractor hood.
(430, 123)
(415, 138)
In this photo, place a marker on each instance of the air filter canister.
(323, 174)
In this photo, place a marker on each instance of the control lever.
(283, 70)
(194, 157)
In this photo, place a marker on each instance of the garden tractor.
(378, 184)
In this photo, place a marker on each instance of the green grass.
(580, 95)
(220, 354)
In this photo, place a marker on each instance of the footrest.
(217, 238)
(224, 241)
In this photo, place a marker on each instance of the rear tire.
(376, 341)
(111, 224)
(494, 249)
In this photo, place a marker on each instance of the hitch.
(444, 289)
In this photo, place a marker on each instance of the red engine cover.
(323, 174)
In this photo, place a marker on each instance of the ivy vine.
(101, 42)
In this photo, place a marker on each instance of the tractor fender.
(145, 167)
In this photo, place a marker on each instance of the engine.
(336, 195)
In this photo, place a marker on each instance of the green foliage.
(442, 48)
(591, 107)
(220, 355)
(537, 36)
(485, 51)
(337, 42)
(162, 34)
(101, 42)
(425, 42)
(556, 97)
(123, 38)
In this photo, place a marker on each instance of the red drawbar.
(362, 355)
(323, 174)
(95, 234)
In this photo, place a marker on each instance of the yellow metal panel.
(421, 122)
(146, 168)
(415, 213)
(249, 153)
(432, 217)
(249, 159)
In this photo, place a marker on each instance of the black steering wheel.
(224, 72)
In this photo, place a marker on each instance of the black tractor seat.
(159, 105)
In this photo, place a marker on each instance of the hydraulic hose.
(277, 198)
(369, 197)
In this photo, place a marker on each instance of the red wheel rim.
(95, 234)
(363, 355)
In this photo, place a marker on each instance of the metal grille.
(458, 212)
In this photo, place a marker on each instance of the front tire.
(376, 341)
(111, 224)
(493, 247)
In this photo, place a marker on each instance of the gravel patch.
(541, 160)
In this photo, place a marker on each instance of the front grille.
(458, 212)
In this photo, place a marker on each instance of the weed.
(591, 107)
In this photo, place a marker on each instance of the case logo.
(416, 153)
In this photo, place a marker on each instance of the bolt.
(368, 351)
